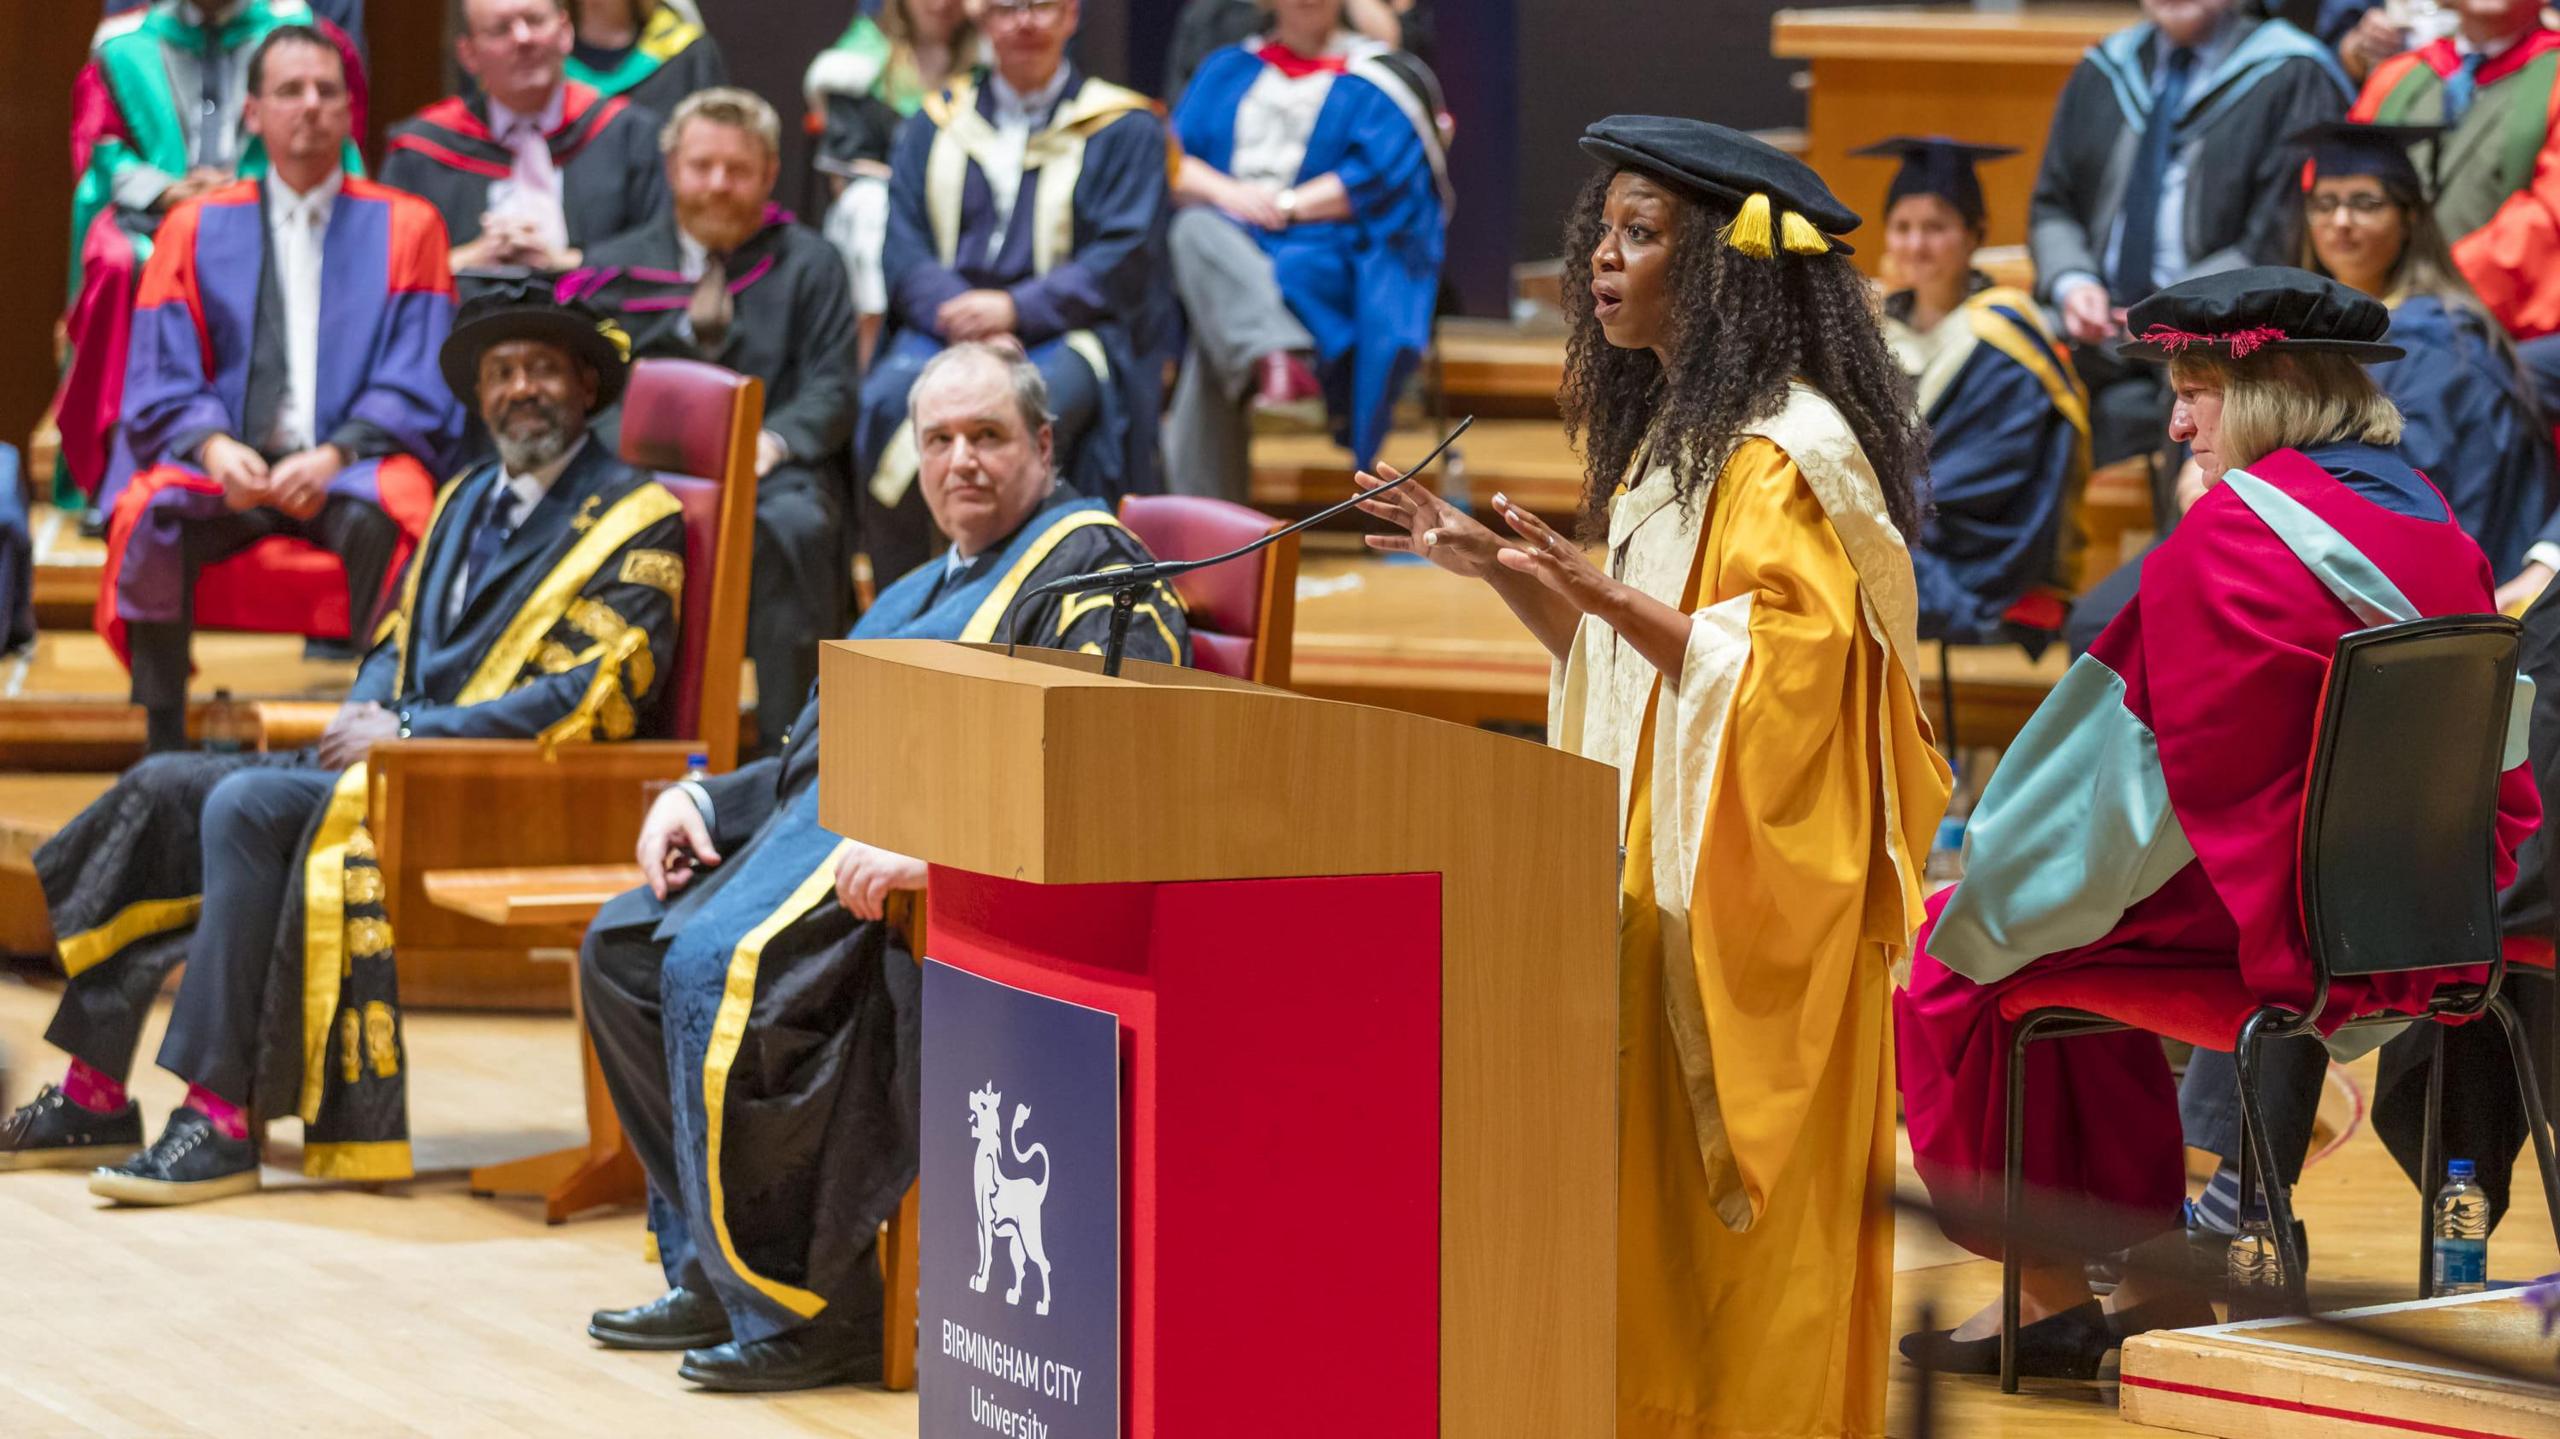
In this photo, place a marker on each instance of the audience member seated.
(2496, 177)
(2124, 206)
(2365, 35)
(862, 88)
(2472, 425)
(1207, 26)
(2008, 421)
(347, 15)
(730, 278)
(645, 50)
(2191, 721)
(1313, 209)
(155, 122)
(765, 1203)
(543, 603)
(1032, 206)
(248, 415)
(537, 167)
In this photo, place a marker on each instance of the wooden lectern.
(1292, 906)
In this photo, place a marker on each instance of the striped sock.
(2218, 1209)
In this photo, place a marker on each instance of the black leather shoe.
(191, 1164)
(809, 1357)
(51, 1132)
(681, 1318)
(2070, 1345)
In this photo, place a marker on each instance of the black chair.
(2398, 873)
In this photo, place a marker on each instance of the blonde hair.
(725, 105)
(2285, 400)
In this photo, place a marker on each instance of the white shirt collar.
(503, 121)
(692, 256)
(315, 204)
(1011, 104)
(2489, 51)
(529, 489)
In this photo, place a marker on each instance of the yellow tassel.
(1800, 236)
(1749, 231)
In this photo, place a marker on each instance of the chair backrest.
(695, 426)
(2399, 816)
(1243, 615)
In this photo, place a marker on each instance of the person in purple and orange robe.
(2148, 815)
(155, 120)
(283, 380)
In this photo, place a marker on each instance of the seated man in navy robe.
(1032, 207)
(731, 278)
(773, 1283)
(542, 603)
(283, 380)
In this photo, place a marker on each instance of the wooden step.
(67, 569)
(1526, 459)
(1492, 367)
(64, 706)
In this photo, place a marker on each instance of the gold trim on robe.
(133, 923)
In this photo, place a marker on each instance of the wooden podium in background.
(1290, 904)
(1990, 76)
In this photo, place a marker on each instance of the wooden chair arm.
(292, 724)
(529, 898)
(449, 804)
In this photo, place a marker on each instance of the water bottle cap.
(2459, 1169)
(697, 761)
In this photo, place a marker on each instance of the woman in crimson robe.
(2148, 814)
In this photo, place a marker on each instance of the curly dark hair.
(1743, 328)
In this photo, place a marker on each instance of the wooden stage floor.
(425, 1311)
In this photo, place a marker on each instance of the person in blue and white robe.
(1028, 204)
(1313, 204)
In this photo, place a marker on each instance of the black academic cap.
(528, 310)
(1936, 165)
(2245, 312)
(1766, 186)
(2350, 147)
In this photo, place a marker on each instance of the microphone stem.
(1124, 603)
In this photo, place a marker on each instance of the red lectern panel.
(1281, 1122)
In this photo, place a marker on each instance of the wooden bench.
(1526, 459)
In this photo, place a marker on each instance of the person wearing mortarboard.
(2472, 427)
(2147, 818)
(2008, 420)
(1743, 655)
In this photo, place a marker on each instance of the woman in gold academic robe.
(1741, 652)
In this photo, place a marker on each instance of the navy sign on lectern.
(1019, 1259)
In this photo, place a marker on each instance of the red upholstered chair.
(1242, 614)
(2398, 863)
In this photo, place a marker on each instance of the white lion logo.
(1007, 1206)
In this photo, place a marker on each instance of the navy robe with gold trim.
(789, 1026)
(566, 638)
(2008, 459)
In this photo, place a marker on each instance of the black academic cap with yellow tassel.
(1779, 203)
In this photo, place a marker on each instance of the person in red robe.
(2148, 815)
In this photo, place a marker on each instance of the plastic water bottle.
(2462, 1233)
(2256, 1272)
(227, 726)
(697, 766)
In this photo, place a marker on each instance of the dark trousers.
(253, 828)
(800, 593)
(620, 965)
(356, 531)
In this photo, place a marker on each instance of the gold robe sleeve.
(1797, 780)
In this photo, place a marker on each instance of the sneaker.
(191, 1163)
(1283, 381)
(51, 1132)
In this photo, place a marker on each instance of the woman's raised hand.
(1554, 561)
(1429, 526)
